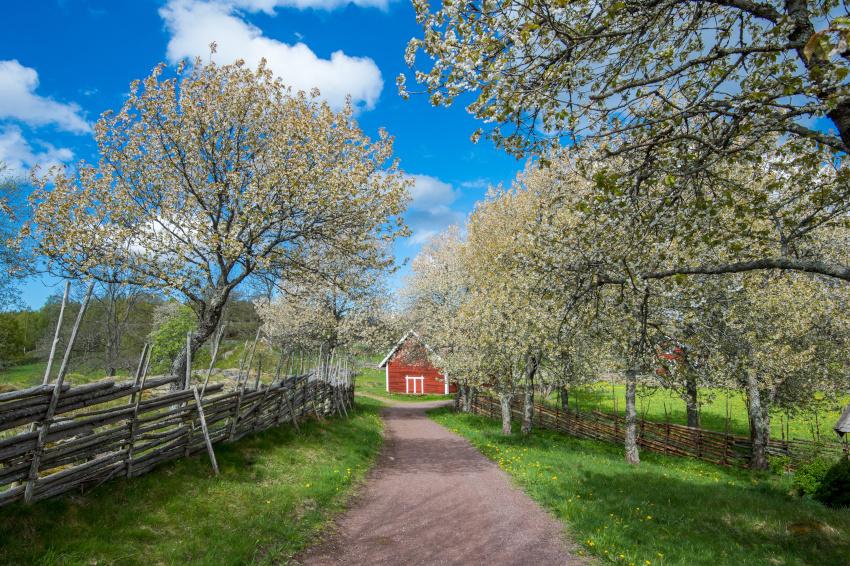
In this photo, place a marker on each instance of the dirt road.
(434, 499)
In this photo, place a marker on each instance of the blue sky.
(63, 62)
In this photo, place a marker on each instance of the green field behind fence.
(653, 402)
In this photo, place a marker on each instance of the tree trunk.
(113, 350)
(565, 398)
(757, 409)
(469, 399)
(691, 400)
(528, 397)
(505, 400)
(459, 401)
(527, 409)
(211, 316)
(631, 443)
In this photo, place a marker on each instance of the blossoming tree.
(216, 175)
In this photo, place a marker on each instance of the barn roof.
(410, 333)
(842, 427)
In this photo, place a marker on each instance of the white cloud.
(269, 6)
(19, 156)
(479, 183)
(429, 191)
(194, 24)
(19, 101)
(430, 210)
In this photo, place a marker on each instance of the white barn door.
(414, 384)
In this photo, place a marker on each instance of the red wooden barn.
(410, 370)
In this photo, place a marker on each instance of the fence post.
(44, 425)
(216, 345)
(203, 421)
(240, 386)
(258, 408)
(134, 420)
(699, 442)
(285, 395)
(188, 421)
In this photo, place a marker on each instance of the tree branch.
(783, 263)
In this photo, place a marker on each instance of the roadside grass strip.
(277, 490)
(668, 510)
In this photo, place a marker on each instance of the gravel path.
(434, 499)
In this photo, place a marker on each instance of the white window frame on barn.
(414, 378)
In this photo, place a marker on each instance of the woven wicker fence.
(667, 438)
(54, 439)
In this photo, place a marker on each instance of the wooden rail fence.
(56, 438)
(667, 438)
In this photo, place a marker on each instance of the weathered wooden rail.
(91, 433)
(667, 438)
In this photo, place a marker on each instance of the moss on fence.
(276, 491)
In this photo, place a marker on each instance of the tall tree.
(216, 175)
(118, 302)
(341, 308)
(673, 87)
(432, 297)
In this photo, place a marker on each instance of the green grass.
(373, 382)
(666, 511)
(29, 374)
(32, 373)
(651, 404)
(276, 491)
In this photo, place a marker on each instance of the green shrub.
(808, 477)
(779, 464)
(11, 341)
(834, 489)
(169, 337)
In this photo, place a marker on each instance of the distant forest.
(119, 320)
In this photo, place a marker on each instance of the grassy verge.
(29, 374)
(373, 382)
(276, 491)
(653, 402)
(666, 511)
